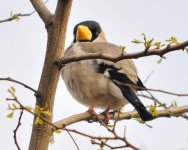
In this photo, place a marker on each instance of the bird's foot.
(106, 116)
(94, 115)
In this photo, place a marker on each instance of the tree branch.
(16, 17)
(155, 51)
(85, 116)
(43, 11)
(125, 115)
(150, 89)
(73, 140)
(21, 83)
(15, 131)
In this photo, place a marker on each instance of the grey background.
(22, 51)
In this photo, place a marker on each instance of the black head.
(93, 26)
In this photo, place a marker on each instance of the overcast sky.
(22, 52)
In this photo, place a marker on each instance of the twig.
(87, 135)
(116, 137)
(166, 92)
(151, 97)
(148, 77)
(73, 140)
(118, 116)
(15, 131)
(158, 52)
(101, 143)
(150, 89)
(21, 83)
(17, 15)
(55, 127)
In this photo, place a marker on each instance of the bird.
(98, 83)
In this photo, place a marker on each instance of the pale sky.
(22, 54)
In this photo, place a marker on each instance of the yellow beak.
(83, 33)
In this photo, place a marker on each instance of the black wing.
(127, 91)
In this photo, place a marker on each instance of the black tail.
(130, 95)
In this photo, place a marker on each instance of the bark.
(50, 75)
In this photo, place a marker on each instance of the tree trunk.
(50, 75)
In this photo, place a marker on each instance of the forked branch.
(42, 10)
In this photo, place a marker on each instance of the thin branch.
(17, 16)
(165, 92)
(115, 137)
(147, 78)
(55, 127)
(113, 131)
(87, 135)
(117, 116)
(42, 10)
(158, 52)
(101, 144)
(18, 82)
(150, 89)
(73, 140)
(15, 131)
(155, 100)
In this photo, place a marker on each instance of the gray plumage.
(97, 80)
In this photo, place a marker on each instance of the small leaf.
(37, 110)
(15, 16)
(144, 37)
(122, 48)
(38, 121)
(137, 41)
(174, 39)
(158, 45)
(174, 104)
(14, 106)
(149, 43)
(28, 108)
(10, 115)
(153, 110)
(57, 131)
(47, 113)
(13, 89)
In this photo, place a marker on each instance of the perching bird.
(98, 83)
